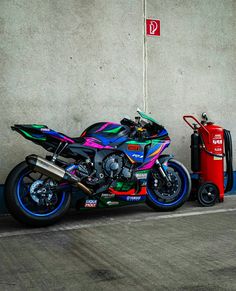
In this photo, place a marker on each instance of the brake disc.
(167, 192)
(39, 191)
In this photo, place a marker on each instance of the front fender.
(164, 159)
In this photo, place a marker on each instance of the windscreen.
(146, 116)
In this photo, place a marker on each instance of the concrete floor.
(130, 248)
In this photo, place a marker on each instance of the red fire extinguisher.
(210, 144)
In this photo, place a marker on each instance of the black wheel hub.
(208, 194)
(166, 191)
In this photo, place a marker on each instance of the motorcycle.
(114, 164)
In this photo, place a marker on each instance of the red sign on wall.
(153, 27)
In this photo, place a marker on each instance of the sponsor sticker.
(90, 203)
(45, 129)
(108, 195)
(140, 176)
(133, 147)
(137, 156)
(110, 203)
(133, 198)
(129, 198)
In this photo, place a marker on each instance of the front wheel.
(30, 198)
(161, 196)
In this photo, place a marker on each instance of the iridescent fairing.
(94, 143)
(108, 165)
(57, 135)
(105, 125)
(41, 133)
(106, 133)
(157, 147)
(111, 138)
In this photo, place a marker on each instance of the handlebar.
(128, 122)
(186, 117)
(136, 128)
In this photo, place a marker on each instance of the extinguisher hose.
(209, 153)
(229, 160)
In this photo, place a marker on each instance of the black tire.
(153, 202)
(15, 208)
(208, 194)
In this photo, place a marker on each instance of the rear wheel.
(161, 196)
(30, 198)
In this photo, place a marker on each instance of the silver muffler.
(55, 172)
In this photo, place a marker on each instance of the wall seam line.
(145, 98)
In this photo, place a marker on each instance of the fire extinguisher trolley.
(210, 144)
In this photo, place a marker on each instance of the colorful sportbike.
(113, 164)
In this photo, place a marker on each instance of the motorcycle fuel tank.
(107, 132)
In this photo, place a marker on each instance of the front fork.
(162, 165)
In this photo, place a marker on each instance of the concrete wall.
(192, 66)
(70, 63)
(67, 64)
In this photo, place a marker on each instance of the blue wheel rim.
(28, 210)
(184, 181)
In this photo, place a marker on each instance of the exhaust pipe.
(55, 172)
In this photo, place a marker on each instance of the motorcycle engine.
(112, 165)
(115, 166)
